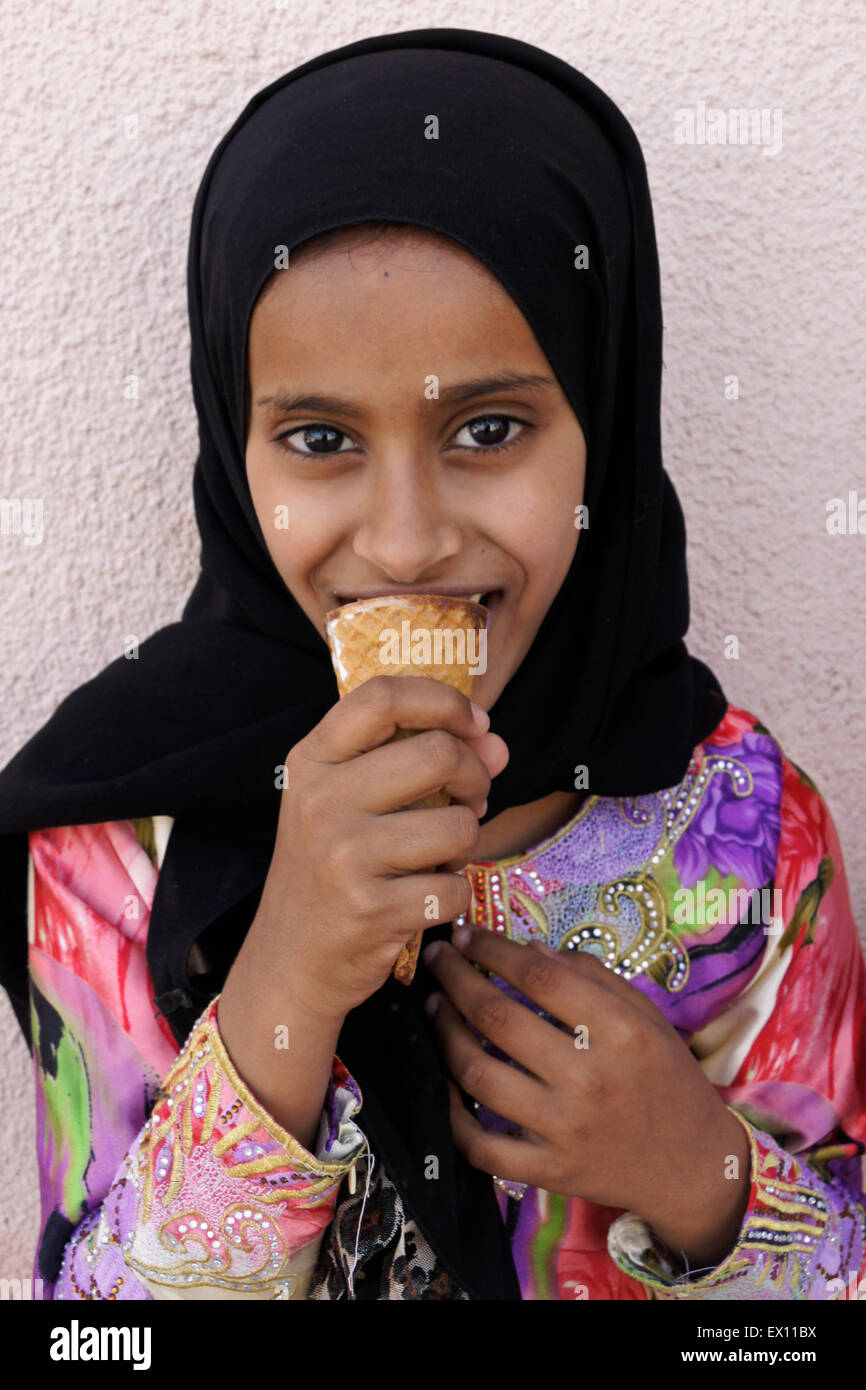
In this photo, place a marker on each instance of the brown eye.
(321, 440)
(488, 433)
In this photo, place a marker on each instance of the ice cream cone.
(408, 635)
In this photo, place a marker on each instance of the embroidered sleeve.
(788, 1057)
(129, 1165)
(215, 1199)
(798, 1235)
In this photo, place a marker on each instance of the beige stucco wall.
(110, 114)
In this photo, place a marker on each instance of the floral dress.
(723, 899)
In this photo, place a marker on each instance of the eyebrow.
(284, 401)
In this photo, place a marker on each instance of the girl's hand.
(353, 876)
(616, 1109)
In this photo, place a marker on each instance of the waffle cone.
(358, 653)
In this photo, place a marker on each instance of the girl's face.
(392, 423)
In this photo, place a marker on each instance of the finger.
(423, 900)
(372, 714)
(538, 1045)
(401, 773)
(629, 991)
(405, 841)
(579, 990)
(522, 1099)
(515, 1160)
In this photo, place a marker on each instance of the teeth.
(474, 598)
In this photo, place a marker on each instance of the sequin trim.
(251, 1217)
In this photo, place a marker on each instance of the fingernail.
(483, 811)
(431, 1004)
(481, 717)
(461, 937)
(430, 952)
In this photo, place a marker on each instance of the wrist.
(256, 989)
(281, 1053)
(705, 1222)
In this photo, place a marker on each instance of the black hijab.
(532, 162)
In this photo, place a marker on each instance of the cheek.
(554, 556)
(260, 482)
(556, 517)
(294, 541)
(296, 523)
(542, 537)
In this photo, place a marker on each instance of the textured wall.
(111, 112)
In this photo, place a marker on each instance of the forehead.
(354, 288)
(374, 237)
(334, 257)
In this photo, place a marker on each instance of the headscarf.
(532, 162)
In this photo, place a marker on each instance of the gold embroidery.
(236, 1283)
(265, 1163)
(532, 909)
(210, 1115)
(301, 1159)
(651, 944)
(174, 1185)
(235, 1136)
(635, 814)
(186, 1124)
(212, 1266)
(204, 1057)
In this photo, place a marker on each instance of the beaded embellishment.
(247, 1170)
(592, 886)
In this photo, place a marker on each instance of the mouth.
(490, 598)
(491, 601)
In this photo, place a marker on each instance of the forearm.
(282, 1053)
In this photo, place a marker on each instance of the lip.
(448, 590)
(493, 606)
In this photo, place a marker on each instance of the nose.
(406, 529)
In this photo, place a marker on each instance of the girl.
(426, 351)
